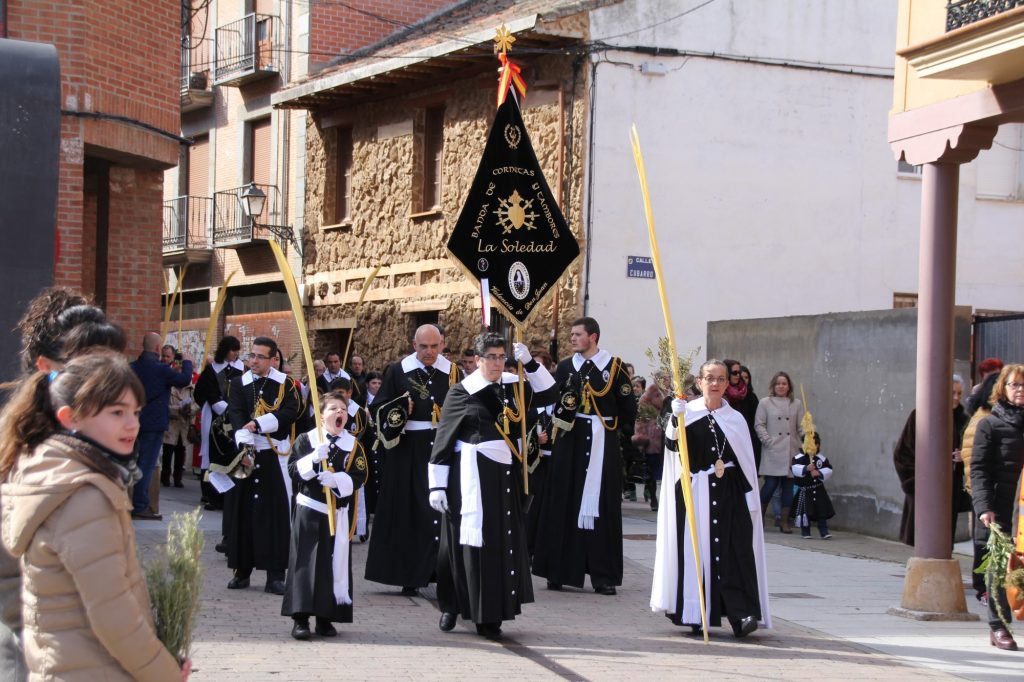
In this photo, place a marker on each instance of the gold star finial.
(503, 39)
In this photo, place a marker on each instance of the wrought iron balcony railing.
(247, 49)
(196, 84)
(963, 12)
(187, 228)
(233, 229)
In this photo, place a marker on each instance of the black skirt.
(486, 584)
(257, 523)
(731, 588)
(309, 588)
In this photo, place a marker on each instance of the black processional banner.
(511, 232)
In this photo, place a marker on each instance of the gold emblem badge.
(395, 416)
(360, 463)
(514, 213)
(513, 136)
(625, 389)
(569, 401)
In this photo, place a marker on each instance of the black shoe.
(301, 630)
(363, 538)
(447, 622)
(210, 506)
(744, 626)
(654, 504)
(221, 547)
(554, 587)
(179, 484)
(165, 484)
(606, 590)
(409, 592)
(489, 630)
(324, 628)
(237, 583)
(274, 587)
(696, 631)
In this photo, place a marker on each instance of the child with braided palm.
(319, 580)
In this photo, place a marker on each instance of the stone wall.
(858, 371)
(385, 229)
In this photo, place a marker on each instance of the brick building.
(235, 55)
(119, 132)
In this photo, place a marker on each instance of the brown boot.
(784, 527)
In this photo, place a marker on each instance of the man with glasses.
(406, 531)
(483, 568)
(261, 408)
(580, 528)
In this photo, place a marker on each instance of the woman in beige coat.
(66, 444)
(777, 423)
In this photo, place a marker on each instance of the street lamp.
(253, 200)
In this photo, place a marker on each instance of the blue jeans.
(151, 446)
(768, 489)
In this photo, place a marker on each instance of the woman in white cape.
(728, 512)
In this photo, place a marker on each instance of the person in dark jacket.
(157, 378)
(996, 464)
(741, 397)
(988, 372)
(903, 457)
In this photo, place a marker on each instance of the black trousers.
(173, 455)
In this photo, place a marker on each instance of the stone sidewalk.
(828, 602)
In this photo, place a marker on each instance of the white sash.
(471, 528)
(590, 504)
(339, 561)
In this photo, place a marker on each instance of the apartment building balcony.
(982, 40)
(186, 230)
(234, 229)
(196, 83)
(248, 49)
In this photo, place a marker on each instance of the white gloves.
(338, 480)
(439, 500)
(522, 353)
(321, 452)
(678, 405)
(219, 407)
(245, 437)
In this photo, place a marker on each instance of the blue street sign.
(640, 267)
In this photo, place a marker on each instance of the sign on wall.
(639, 267)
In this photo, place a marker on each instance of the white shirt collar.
(345, 441)
(274, 374)
(600, 359)
(476, 381)
(411, 362)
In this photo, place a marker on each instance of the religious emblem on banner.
(511, 230)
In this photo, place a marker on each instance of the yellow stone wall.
(383, 230)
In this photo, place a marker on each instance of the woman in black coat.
(996, 463)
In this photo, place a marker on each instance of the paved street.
(829, 602)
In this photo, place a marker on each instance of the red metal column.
(936, 282)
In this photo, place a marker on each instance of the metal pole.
(936, 283)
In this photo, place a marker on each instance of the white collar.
(273, 374)
(600, 359)
(353, 408)
(476, 381)
(219, 367)
(345, 440)
(411, 362)
(331, 377)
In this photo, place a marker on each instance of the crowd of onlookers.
(791, 478)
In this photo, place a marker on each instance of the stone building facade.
(390, 223)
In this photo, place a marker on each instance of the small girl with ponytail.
(66, 443)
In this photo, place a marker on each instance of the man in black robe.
(483, 567)
(211, 395)
(580, 529)
(262, 406)
(406, 531)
